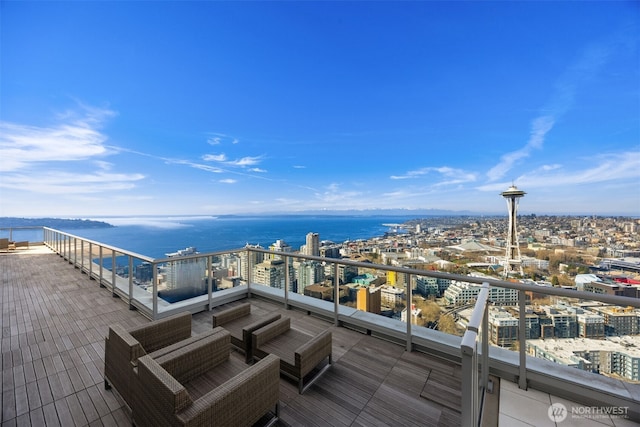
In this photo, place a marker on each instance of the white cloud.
(49, 159)
(228, 181)
(214, 157)
(448, 175)
(53, 182)
(602, 168)
(587, 65)
(246, 161)
(23, 145)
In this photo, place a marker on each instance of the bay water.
(157, 236)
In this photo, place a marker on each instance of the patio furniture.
(21, 244)
(300, 353)
(123, 347)
(201, 385)
(241, 322)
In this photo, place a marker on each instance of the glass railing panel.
(268, 270)
(182, 279)
(373, 291)
(587, 335)
(73, 248)
(120, 271)
(430, 308)
(229, 270)
(140, 282)
(23, 236)
(105, 261)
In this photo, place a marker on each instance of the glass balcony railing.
(413, 307)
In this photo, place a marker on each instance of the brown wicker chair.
(299, 352)
(123, 347)
(241, 323)
(200, 385)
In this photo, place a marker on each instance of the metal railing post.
(154, 312)
(113, 273)
(522, 340)
(336, 297)
(469, 371)
(101, 269)
(485, 346)
(90, 260)
(131, 306)
(249, 271)
(287, 282)
(409, 344)
(210, 282)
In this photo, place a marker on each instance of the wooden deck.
(54, 320)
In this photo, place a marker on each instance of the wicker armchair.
(200, 385)
(241, 323)
(123, 347)
(299, 352)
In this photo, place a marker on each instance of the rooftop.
(54, 320)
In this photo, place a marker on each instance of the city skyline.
(214, 108)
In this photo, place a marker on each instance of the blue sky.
(210, 108)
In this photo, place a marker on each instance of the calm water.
(155, 237)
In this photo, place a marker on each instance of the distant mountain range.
(60, 223)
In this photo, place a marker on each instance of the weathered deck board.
(54, 320)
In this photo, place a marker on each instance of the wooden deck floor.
(54, 320)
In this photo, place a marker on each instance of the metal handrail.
(60, 242)
(473, 394)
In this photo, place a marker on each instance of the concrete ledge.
(570, 383)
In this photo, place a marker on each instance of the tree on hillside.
(447, 324)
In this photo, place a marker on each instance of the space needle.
(513, 260)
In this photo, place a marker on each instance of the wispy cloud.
(214, 157)
(447, 175)
(78, 139)
(56, 182)
(221, 138)
(36, 158)
(609, 167)
(587, 65)
(228, 181)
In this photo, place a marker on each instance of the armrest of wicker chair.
(270, 331)
(121, 351)
(123, 347)
(299, 352)
(162, 398)
(161, 333)
(243, 400)
(241, 323)
(248, 330)
(310, 354)
(193, 360)
(230, 314)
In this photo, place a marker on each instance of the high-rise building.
(513, 260)
(369, 299)
(184, 271)
(312, 244)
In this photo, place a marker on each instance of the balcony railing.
(478, 378)
(195, 282)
